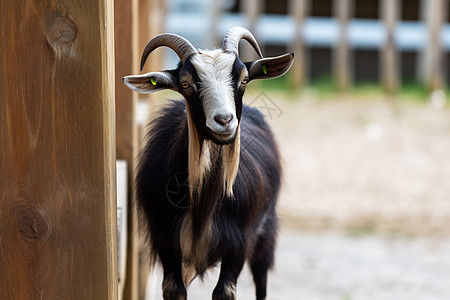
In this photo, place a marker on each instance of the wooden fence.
(344, 30)
(432, 53)
(431, 57)
(136, 21)
(58, 236)
(58, 98)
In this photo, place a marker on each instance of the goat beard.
(204, 154)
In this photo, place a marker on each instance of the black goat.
(206, 194)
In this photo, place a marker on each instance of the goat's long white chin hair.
(200, 160)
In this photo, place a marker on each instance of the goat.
(226, 209)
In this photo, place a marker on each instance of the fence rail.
(429, 36)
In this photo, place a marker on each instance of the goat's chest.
(206, 249)
(195, 251)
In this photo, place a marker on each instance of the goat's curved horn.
(182, 47)
(234, 35)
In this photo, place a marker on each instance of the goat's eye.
(244, 80)
(185, 85)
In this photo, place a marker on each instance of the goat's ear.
(151, 82)
(270, 67)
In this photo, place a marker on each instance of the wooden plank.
(126, 58)
(252, 10)
(299, 10)
(122, 221)
(214, 17)
(145, 21)
(126, 43)
(58, 234)
(150, 21)
(342, 63)
(390, 11)
(431, 68)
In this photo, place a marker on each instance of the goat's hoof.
(174, 296)
(225, 293)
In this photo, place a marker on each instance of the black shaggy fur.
(244, 226)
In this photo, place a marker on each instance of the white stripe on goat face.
(216, 91)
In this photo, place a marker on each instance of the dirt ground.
(365, 205)
(335, 266)
(364, 165)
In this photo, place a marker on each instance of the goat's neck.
(209, 160)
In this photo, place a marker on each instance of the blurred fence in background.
(349, 41)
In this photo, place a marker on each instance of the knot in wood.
(63, 30)
(31, 224)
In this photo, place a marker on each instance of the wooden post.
(214, 17)
(342, 64)
(431, 62)
(252, 9)
(146, 19)
(58, 229)
(126, 44)
(151, 19)
(137, 21)
(298, 9)
(151, 23)
(390, 11)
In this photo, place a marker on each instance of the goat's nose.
(223, 119)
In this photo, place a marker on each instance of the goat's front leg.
(173, 285)
(231, 267)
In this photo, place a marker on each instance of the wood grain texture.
(126, 57)
(151, 21)
(58, 234)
